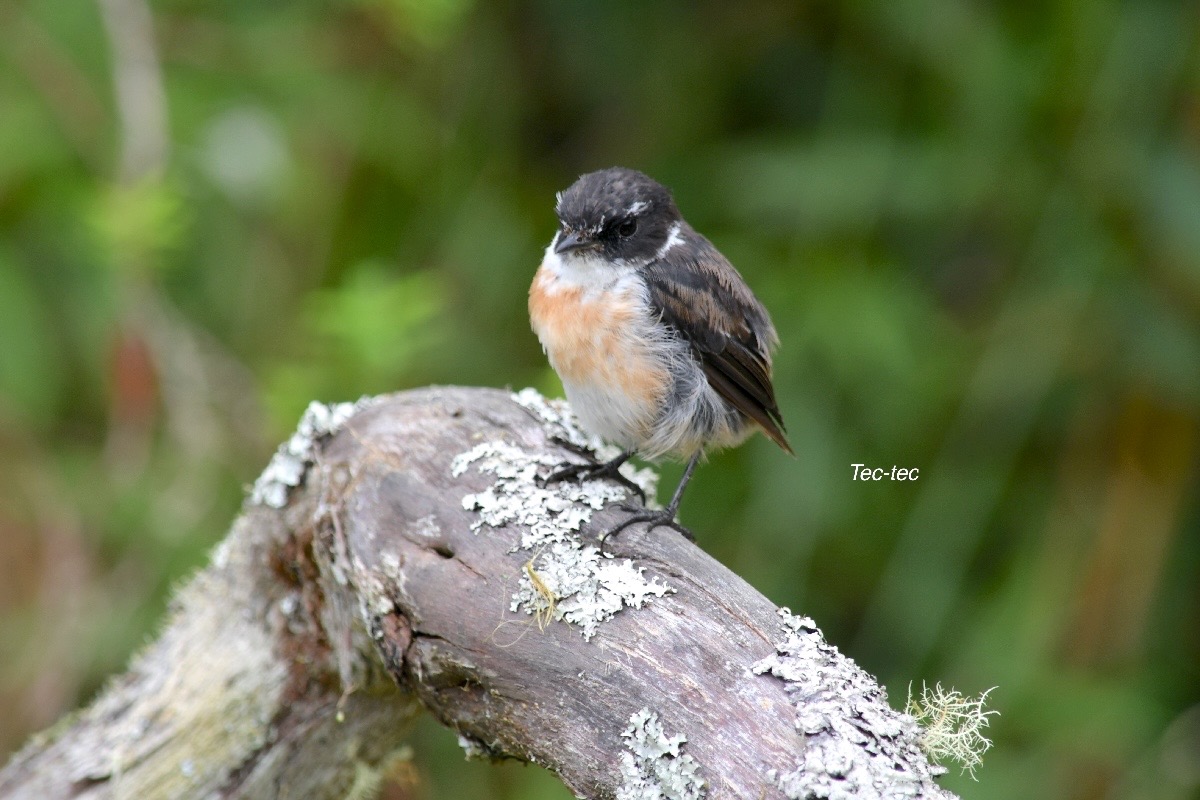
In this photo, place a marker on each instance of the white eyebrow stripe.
(637, 208)
(673, 238)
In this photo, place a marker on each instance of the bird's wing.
(698, 292)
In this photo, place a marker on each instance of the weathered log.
(412, 558)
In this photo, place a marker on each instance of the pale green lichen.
(952, 724)
(856, 746)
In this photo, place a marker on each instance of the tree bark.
(402, 554)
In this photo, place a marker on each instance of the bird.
(661, 347)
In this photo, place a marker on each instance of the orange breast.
(598, 339)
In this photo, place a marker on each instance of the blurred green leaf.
(380, 319)
(136, 225)
(430, 22)
(366, 332)
(31, 364)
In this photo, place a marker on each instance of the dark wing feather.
(699, 293)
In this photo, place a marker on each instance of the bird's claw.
(608, 470)
(659, 518)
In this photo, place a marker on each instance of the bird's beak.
(572, 240)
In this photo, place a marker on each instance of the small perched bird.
(661, 346)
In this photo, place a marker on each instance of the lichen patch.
(290, 464)
(586, 586)
(653, 766)
(856, 745)
(579, 584)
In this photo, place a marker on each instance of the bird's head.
(617, 214)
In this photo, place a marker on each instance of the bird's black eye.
(627, 228)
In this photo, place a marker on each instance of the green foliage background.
(977, 226)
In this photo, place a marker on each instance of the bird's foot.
(655, 518)
(597, 469)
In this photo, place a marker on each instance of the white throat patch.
(587, 270)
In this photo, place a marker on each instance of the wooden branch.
(412, 559)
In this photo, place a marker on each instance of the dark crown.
(599, 198)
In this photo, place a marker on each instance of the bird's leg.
(661, 517)
(597, 469)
